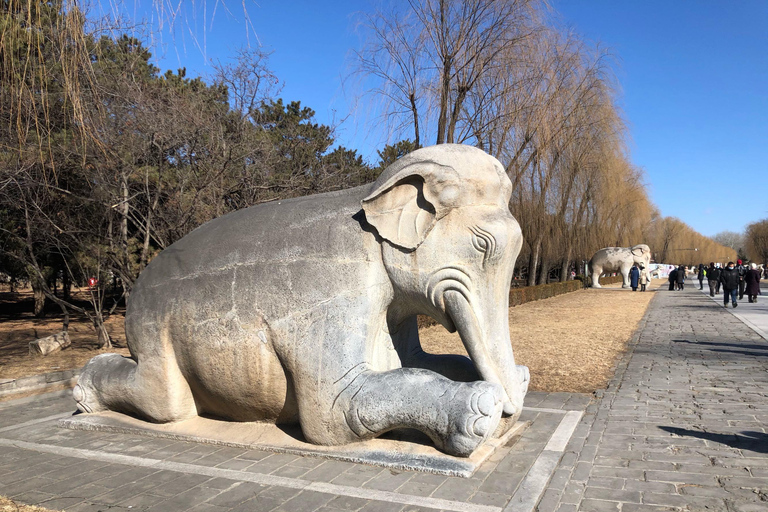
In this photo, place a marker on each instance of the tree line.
(105, 161)
(543, 101)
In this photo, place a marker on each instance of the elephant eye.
(484, 242)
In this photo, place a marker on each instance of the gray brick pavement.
(683, 424)
(89, 471)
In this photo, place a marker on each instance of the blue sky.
(693, 75)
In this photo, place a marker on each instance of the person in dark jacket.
(742, 269)
(752, 281)
(634, 277)
(713, 274)
(672, 279)
(681, 270)
(730, 279)
(702, 271)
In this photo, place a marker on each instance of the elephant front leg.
(457, 416)
(625, 276)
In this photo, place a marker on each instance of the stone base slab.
(401, 450)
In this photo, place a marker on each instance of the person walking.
(702, 272)
(634, 277)
(729, 277)
(672, 279)
(742, 272)
(752, 281)
(643, 279)
(713, 276)
(680, 277)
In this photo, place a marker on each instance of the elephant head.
(641, 254)
(449, 245)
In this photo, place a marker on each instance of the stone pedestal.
(407, 450)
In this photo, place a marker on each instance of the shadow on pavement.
(739, 346)
(753, 441)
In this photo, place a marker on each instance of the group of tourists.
(736, 280)
(638, 276)
(677, 278)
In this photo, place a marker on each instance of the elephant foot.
(596, 286)
(85, 393)
(473, 414)
(524, 376)
(624, 286)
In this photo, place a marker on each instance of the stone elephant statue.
(619, 259)
(304, 310)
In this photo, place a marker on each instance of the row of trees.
(756, 237)
(104, 161)
(540, 99)
(673, 241)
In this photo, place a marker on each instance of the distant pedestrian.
(634, 277)
(672, 279)
(730, 279)
(702, 272)
(752, 280)
(643, 279)
(680, 277)
(713, 276)
(742, 270)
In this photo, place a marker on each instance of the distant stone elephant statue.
(619, 259)
(304, 310)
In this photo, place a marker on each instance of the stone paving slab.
(682, 426)
(89, 471)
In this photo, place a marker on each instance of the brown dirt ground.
(18, 327)
(8, 505)
(570, 342)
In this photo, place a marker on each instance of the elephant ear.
(405, 207)
(637, 248)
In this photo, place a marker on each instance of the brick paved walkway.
(98, 471)
(682, 425)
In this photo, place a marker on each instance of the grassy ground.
(569, 342)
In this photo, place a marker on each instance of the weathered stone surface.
(619, 259)
(304, 310)
(50, 344)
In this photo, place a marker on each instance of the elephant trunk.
(484, 331)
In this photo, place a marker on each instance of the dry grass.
(570, 342)
(19, 327)
(8, 505)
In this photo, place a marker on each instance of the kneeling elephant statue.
(304, 310)
(619, 259)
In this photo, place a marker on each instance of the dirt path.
(569, 342)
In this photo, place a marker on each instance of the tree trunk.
(417, 140)
(532, 262)
(66, 285)
(98, 323)
(544, 272)
(39, 293)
